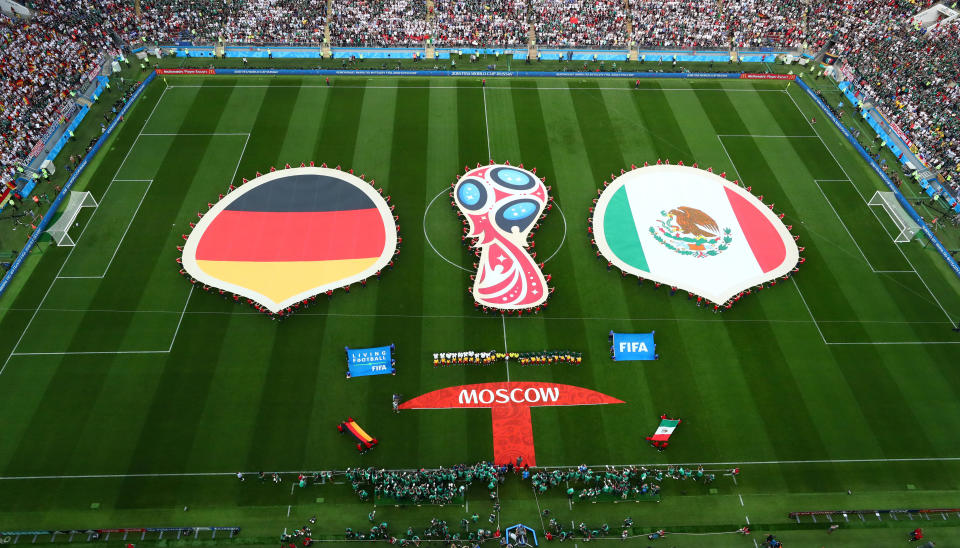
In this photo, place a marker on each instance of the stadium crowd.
(908, 71)
(921, 97)
(440, 486)
(42, 63)
(481, 23)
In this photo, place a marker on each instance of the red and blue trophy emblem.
(502, 203)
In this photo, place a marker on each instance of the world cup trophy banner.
(502, 203)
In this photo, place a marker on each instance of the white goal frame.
(60, 230)
(906, 226)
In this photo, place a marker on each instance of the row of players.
(471, 357)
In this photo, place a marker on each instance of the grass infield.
(122, 386)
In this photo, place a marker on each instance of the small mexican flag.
(664, 431)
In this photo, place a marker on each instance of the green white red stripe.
(638, 227)
(665, 430)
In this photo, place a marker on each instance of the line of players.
(470, 357)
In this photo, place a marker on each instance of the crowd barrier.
(65, 192)
(473, 73)
(899, 145)
(937, 244)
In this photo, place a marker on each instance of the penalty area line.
(82, 231)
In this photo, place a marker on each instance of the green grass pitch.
(122, 386)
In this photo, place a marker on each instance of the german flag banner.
(292, 234)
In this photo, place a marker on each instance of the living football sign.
(364, 362)
(509, 404)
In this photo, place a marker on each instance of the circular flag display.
(689, 228)
(292, 234)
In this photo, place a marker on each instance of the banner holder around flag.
(661, 437)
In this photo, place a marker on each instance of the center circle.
(454, 264)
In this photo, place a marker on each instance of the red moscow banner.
(187, 71)
(509, 404)
(767, 76)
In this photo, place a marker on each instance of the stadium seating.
(45, 59)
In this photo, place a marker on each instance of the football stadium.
(478, 273)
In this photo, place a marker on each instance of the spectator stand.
(901, 146)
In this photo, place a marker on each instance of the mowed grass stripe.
(442, 285)
(579, 173)
(865, 386)
(339, 141)
(907, 305)
(167, 419)
(673, 382)
(64, 385)
(407, 173)
(615, 294)
(292, 362)
(374, 151)
(241, 373)
(721, 383)
(481, 332)
(775, 391)
(669, 141)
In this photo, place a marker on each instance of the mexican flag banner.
(660, 438)
(689, 228)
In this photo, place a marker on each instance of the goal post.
(907, 228)
(60, 230)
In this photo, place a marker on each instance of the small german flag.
(291, 234)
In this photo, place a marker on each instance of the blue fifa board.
(633, 347)
(363, 362)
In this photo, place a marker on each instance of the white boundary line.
(844, 225)
(812, 318)
(455, 265)
(54, 281)
(563, 240)
(120, 243)
(427, 236)
(129, 224)
(182, 312)
(802, 298)
(874, 213)
(486, 123)
(481, 317)
(13, 352)
(769, 136)
(730, 158)
(506, 349)
(541, 467)
(90, 353)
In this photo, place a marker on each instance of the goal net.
(906, 226)
(60, 230)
